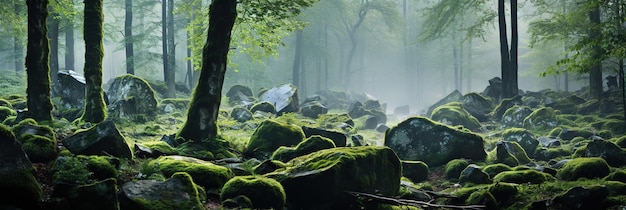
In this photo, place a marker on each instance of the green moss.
(590, 168)
(523, 177)
(504, 105)
(160, 146)
(454, 114)
(194, 202)
(179, 103)
(101, 167)
(503, 191)
(6, 133)
(309, 145)
(263, 106)
(40, 149)
(206, 174)
(416, 171)
(494, 169)
(482, 197)
(621, 141)
(5, 103)
(546, 154)
(618, 175)
(334, 121)
(6, 112)
(523, 138)
(617, 127)
(95, 108)
(264, 193)
(454, 167)
(555, 132)
(9, 120)
(269, 136)
(70, 170)
(541, 119)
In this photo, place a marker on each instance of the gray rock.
(338, 138)
(131, 98)
(514, 116)
(284, 98)
(17, 173)
(477, 105)
(609, 151)
(473, 174)
(179, 191)
(71, 90)
(240, 95)
(523, 137)
(581, 198)
(313, 109)
(101, 139)
(241, 114)
(454, 96)
(420, 138)
(101, 195)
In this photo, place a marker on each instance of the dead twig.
(406, 202)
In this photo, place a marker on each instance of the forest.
(312, 104)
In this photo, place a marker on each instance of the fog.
(389, 61)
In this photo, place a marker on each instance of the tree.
(202, 115)
(171, 52)
(95, 108)
(128, 37)
(38, 87)
(53, 35)
(508, 57)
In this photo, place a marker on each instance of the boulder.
(334, 99)
(567, 105)
(523, 137)
(589, 168)
(494, 169)
(509, 153)
(17, 174)
(269, 136)
(39, 141)
(240, 95)
(473, 174)
(541, 119)
(101, 139)
(477, 105)
(70, 89)
(320, 180)
(514, 116)
(454, 96)
(284, 98)
(263, 193)
(527, 176)
(131, 98)
(454, 114)
(313, 109)
(419, 138)
(241, 114)
(416, 171)
(153, 149)
(337, 137)
(309, 145)
(504, 105)
(453, 168)
(263, 106)
(571, 133)
(6, 112)
(177, 192)
(98, 195)
(494, 90)
(581, 197)
(204, 173)
(607, 150)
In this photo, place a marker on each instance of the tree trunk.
(18, 51)
(514, 90)
(297, 59)
(455, 59)
(95, 108)
(164, 42)
(504, 52)
(69, 46)
(171, 52)
(353, 43)
(189, 76)
(53, 36)
(128, 37)
(202, 115)
(595, 72)
(37, 69)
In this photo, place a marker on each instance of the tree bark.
(128, 37)
(202, 115)
(513, 91)
(37, 69)
(297, 60)
(171, 52)
(504, 52)
(164, 41)
(95, 108)
(53, 37)
(595, 72)
(69, 46)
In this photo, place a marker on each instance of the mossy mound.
(6, 112)
(416, 171)
(38, 141)
(264, 193)
(204, 173)
(494, 169)
(502, 191)
(335, 121)
(541, 119)
(309, 145)
(477, 105)
(319, 180)
(82, 169)
(454, 167)
(156, 148)
(614, 155)
(474, 175)
(524, 176)
(269, 136)
(618, 175)
(589, 168)
(523, 137)
(514, 116)
(419, 138)
(621, 141)
(177, 192)
(263, 106)
(454, 114)
(482, 197)
(505, 104)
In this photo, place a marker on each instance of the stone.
(419, 138)
(309, 145)
(494, 90)
(240, 95)
(132, 98)
(177, 192)
(263, 106)
(99, 195)
(416, 171)
(263, 193)
(101, 139)
(543, 119)
(357, 140)
(269, 136)
(514, 116)
(453, 168)
(454, 114)
(319, 180)
(523, 137)
(473, 174)
(39, 141)
(204, 173)
(607, 150)
(504, 105)
(313, 109)
(454, 96)
(527, 176)
(70, 89)
(241, 114)
(17, 174)
(581, 197)
(477, 105)
(284, 98)
(337, 137)
(589, 168)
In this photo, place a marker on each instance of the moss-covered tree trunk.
(95, 108)
(37, 69)
(202, 114)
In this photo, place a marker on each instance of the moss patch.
(309, 145)
(589, 168)
(264, 193)
(454, 114)
(269, 136)
(454, 167)
(523, 177)
(206, 174)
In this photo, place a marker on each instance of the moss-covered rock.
(618, 175)
(473, 174)
(477, 105)
(39, 141)
(103, 138)
(154, 149)
(523, 137)
(309, 145)
(509, 153)
(482, 197)
(454, 114)
(269, 136)
(6, 112)
(503, 191)
(581, 197)
(568, 105)
(264, 193)
(204, 173)
(589, 168)
(524, 176)
(416, 171)
(318, 180)
(541, 119)
(505, 104)
(263, 106)
(570, 133)
(494, 169)
(514, 116)
(97, 195)
(419, 138)
(617, 127)
(607, 150)
(268, 166)
(177, 192)
(454, 168)
(131, 97)
(547, 154)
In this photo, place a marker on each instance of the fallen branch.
(406, 202)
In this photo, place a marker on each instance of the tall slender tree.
(18, 52)
(38, 78)
(297, 60)
(128, 37)
(95, 107)
(54, 22)
(595, 71)
(171, 52)
(69, 46)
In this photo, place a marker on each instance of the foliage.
(450, 16)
